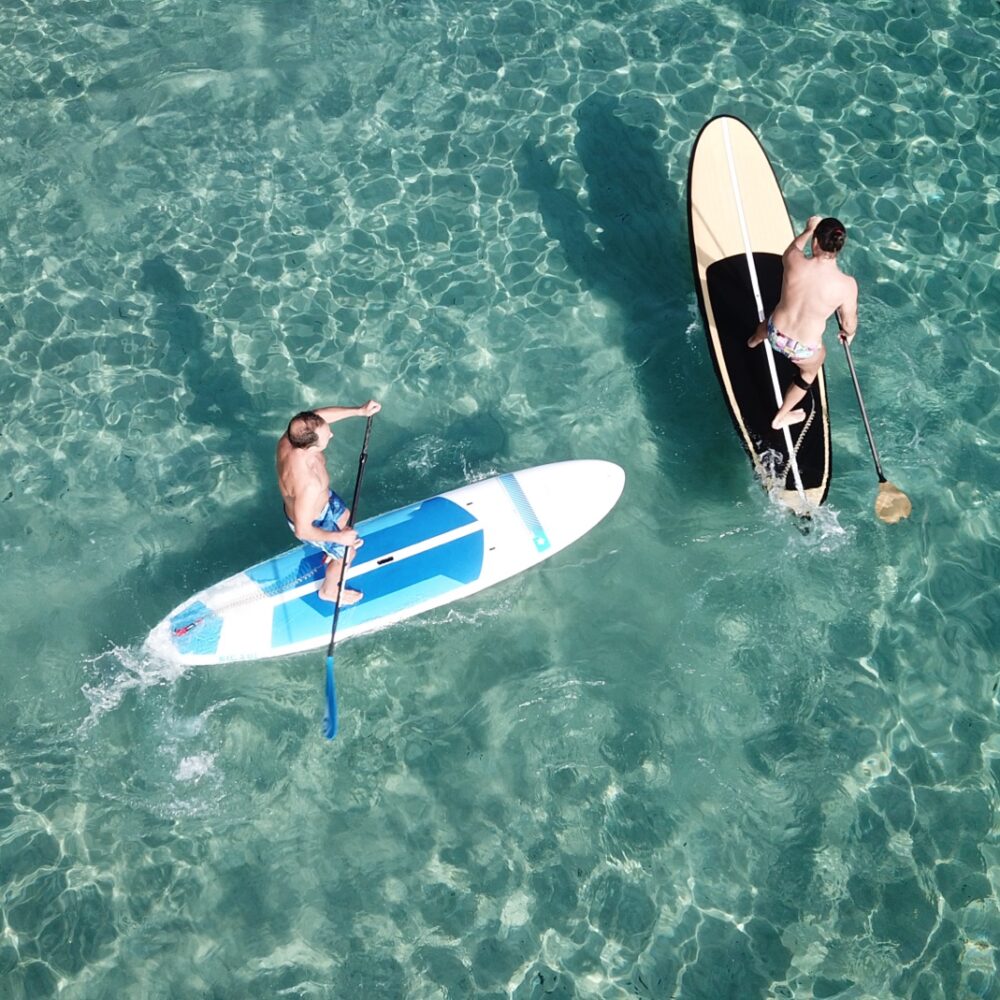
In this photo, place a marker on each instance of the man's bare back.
(813, 289)
(303, 480)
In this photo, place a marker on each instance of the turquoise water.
(700, 754)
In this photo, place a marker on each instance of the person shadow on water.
(629, 244)
(215, 398)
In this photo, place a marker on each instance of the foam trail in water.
(122, 669)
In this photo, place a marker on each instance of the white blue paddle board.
(413, 559)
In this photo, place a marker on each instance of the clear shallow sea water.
(700, 754)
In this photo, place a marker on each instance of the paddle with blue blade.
(330, 723)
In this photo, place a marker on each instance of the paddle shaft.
(864, 412)
(362, 461)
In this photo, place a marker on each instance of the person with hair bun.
(813, 289)
(314, 512)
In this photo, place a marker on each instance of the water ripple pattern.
(699, 755)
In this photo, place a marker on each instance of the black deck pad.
(731, 295)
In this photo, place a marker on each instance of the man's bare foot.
(793, 417)
(350, 596)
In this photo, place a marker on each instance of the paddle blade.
(891, 504)
(330, 722)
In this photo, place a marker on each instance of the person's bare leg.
(759, 336)
(331, 582)
(787, 415)
(808, 370)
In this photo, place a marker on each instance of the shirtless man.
(813, 289)
(313, 511)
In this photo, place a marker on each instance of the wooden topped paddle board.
(739, 228)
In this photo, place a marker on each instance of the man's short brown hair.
(830, 235)
(302, 429)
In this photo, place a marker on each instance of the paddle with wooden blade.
(891, 504)
(330, 722)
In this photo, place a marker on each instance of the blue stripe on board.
(524, 508)
(287, 571)
(387, 589)
(382, 534)
(410, 526)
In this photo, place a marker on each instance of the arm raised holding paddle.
(331, 414)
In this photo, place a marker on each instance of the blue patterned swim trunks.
(327, 520)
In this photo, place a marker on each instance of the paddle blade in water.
(330, 722)
(892, 504)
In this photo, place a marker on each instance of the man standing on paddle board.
(313, 511)
(812, 290)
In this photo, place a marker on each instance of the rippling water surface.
(697, 755)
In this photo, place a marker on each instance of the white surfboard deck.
(413, 559)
